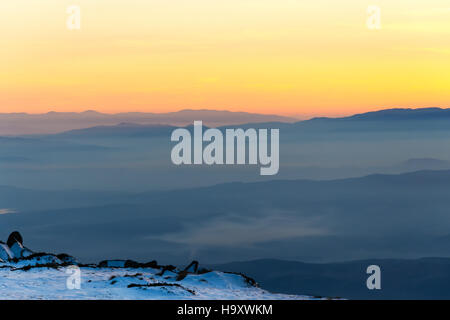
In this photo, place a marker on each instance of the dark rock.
(13, 238)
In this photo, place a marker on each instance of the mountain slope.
(427, 278)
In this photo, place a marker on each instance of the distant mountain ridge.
(123, 129)
(56, 122)
(383, 120)
(396, 114)
(404, 114)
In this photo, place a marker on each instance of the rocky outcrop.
(15, 255)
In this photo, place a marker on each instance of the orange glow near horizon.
(283, 57)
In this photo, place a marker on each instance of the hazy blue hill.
(441, 115)
(388, 119)
(14, 159)
(32, 145)
(416, 164)
(134, 156)
(395, 114)
(427, 278)
(375, 216)
(404, 114)
(21, 199)
(385, 124)
(55, 122)
(390, 123)
(122, 130)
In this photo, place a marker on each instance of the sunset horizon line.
(296, 116)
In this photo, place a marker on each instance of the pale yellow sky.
(271, 56)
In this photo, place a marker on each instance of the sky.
(289, 57)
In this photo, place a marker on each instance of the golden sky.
(291, 57)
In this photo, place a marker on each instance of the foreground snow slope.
(126, 283)
(25, 274)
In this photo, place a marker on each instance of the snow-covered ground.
(25, 274)
(113, 283)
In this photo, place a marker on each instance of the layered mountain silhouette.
(374, 216)
(374, 185)
(54, 122)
